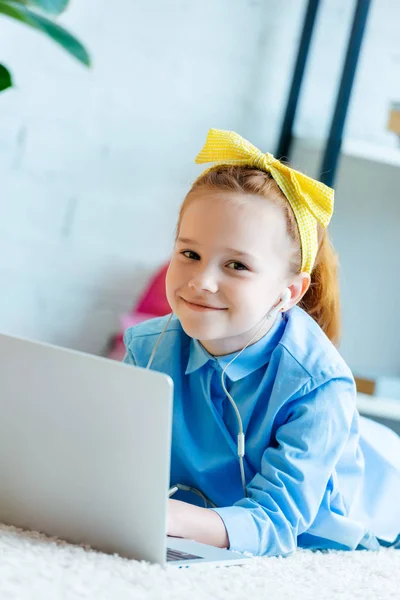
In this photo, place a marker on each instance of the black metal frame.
(330, 159)
(286, 136)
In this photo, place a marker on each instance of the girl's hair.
(321, 300)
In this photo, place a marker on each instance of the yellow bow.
(311, 200)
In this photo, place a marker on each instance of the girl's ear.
(298, 287)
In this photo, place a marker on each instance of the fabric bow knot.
(311, 200)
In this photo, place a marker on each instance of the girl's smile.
(201, 306)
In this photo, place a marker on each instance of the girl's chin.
(199, 331)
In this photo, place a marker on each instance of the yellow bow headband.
(311, 200)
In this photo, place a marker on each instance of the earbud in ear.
(287, 294)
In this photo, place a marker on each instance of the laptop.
(85, 453)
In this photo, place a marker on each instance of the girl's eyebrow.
(238, 253)
(185, 241)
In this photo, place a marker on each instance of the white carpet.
(33, 567)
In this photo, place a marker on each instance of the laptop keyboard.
(178, 555)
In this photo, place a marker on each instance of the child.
(251, 248)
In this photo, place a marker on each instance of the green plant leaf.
(51, 7)
(58, 34)
(5, 78)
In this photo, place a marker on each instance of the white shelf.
(359, 149)
(376, 406)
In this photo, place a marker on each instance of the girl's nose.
(204, 282)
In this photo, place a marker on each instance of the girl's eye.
(237, 266)
(190, 254)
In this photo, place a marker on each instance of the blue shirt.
(306, 476)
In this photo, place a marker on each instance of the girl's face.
(228, 269)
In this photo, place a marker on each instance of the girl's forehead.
(223, 205)
(236, 221)
(233, 212)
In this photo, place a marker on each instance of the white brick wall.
(94, 164)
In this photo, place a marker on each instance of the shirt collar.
(254, 357)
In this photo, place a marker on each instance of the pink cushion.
(131, 319)
(154, 300)
(152, 303)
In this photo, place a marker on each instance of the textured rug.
(34, 567)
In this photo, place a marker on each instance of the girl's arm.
(286, 495)
(196, 523)
(291, 487)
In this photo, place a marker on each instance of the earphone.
(241, 437)
(287, 294)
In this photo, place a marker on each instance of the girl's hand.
(195, 523)
(174, 508)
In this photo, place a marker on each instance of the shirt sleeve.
(284, 497)
(129, 359)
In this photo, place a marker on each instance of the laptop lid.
(84, 448)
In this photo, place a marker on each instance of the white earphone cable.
(241, 437)
(152, 355)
